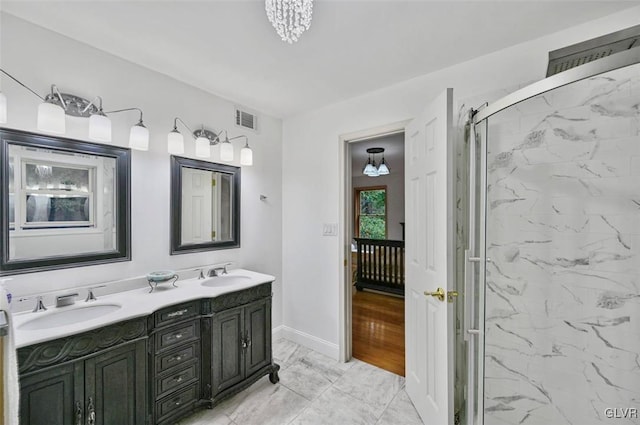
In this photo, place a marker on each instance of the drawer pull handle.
(177, 313)
(78, 413)
(177, 402)
(91, 413)
(177, 336)
(178, 378)
(176, 358)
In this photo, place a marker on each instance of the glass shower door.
(562, 287)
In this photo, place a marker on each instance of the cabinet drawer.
(176, 358)
(175, 313)
(176, 379)
(179, 334)
(182, 399)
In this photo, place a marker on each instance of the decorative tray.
(161, 276)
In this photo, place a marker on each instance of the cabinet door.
(50, 398)
(115, 386)
(258, 335)
(227, 358)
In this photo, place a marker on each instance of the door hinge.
(213, 234)
(213, 182)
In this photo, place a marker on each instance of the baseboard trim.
(317, 344)
(277, 332)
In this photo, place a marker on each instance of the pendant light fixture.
(55, 106)
(371, 169)
(290, 18)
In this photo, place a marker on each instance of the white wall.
(39, 57)
(312, 264)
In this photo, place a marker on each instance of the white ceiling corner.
(229, 48)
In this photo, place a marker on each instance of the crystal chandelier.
(290, 18)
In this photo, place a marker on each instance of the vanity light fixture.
(204, 139)
(56, 105)
(373, 170)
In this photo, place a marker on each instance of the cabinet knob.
(177, 402)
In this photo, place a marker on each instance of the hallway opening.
(377, 251)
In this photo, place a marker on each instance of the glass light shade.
(226, 151)
(51, 118)
(246, 156)
(139, 137)
(3, 108)
(371, 169)
(383, 170)
(368, 169)
(100, 128)
(175, 143)
(203, 148)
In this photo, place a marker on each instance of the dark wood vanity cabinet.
(239, 341)
(94, 378)
(151, 370)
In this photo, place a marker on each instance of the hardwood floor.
(378, 330)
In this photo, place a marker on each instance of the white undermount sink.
(67, 316)
(225, 280)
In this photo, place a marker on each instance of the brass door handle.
(439, 294)
(451, 295)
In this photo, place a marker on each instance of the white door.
(429, 209)
(196, 206)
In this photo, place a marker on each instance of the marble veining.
(563, 233)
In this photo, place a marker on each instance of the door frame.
(345, 224)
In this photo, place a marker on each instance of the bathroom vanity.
(191, 347)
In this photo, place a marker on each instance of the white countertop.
(134, 303)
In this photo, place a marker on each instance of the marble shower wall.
(563, 236)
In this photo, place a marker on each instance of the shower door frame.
(474, 320)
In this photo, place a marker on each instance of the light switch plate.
(330, 229)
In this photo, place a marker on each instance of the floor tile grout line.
(387, 406)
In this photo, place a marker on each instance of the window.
(371, 212)
(56, 195)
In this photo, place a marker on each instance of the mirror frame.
(177, 163)
(122, 156)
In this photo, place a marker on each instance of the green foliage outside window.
(373, 214)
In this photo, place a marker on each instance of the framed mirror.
(205, 206)
(65, 203)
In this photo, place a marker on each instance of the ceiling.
(229, 48)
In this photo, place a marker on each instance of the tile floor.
(316, 390)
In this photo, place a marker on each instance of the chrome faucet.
(201, 275)
(66, 299)
(90, 294)
(218, 271)
(39, 305)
